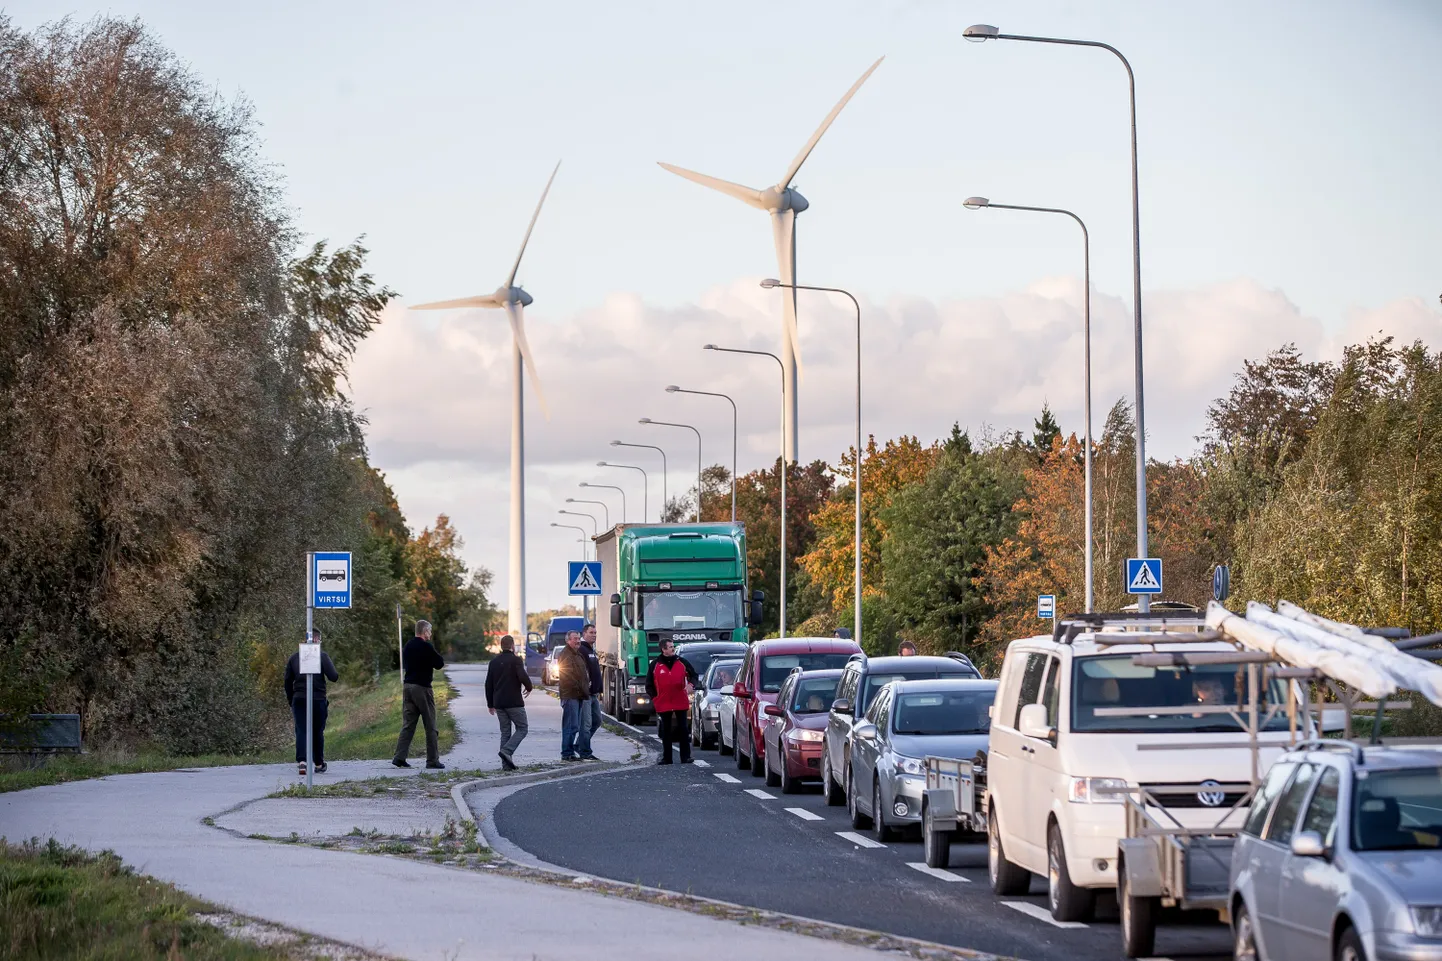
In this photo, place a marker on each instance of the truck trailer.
(682, 581)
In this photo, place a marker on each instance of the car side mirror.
(1308, 844)
(1033, 723)
(739, 690)
(865, 730)
(728, 690)
(841, 705)
(773, 711)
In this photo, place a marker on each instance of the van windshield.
(691, 610)
(1114, 683)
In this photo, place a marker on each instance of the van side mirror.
(755, 612)
(1033, 723)
(615, 612)
(841, 705)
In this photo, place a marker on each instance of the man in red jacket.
(669, 682)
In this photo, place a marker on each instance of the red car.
(791, 747)
(767, 665)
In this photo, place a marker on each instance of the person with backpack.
(670, 682)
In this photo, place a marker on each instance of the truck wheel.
(936, 842)
(1068, 902)
(742, 761)
(1006, 878)
(1139, 920)
(834, 796)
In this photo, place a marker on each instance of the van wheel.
(1006, 878)
(1139, 920)
(853, 806)
(742, 761)
(935, 842)
(835, 797)
(1068, 902)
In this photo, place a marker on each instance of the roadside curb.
(459, 791)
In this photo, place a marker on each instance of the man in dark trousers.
(295, 694)
(670, 682)
(574, 686)
(507, 687)
(593, 668)
(418, 703)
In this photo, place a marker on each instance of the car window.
(1031, 679)
(813, 695)
(1267, 795)
(883, 716)
(874, 711)
(1050, 691)
(1289, 805)
(1322, 809)
(943, 712)
(1398, 810)
(721, 674)
(775, 667)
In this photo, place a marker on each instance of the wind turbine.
(783, 202)
(514, 300)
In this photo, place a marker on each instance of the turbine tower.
(783, 202)
(514, 300)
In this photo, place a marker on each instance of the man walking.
(593, 669)
(421, 661)
(574, 687)
(670, 682)
(295, 695)
(505, 678)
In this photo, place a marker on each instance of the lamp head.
(672, 388)
(584, 484)
(770, 282)
(601, 463)
(554, 524)
(975, 203)
(980, 32)
(644, 420)
(615, 443)
(709, 347)
(570, 500)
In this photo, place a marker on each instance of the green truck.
(682, 581)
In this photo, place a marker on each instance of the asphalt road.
(684, 829)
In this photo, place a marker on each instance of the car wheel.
(853, 804)
(772, 778)
(696, 739)
(742, 761)
(1349, 947)
(1244, 936)
(835, 797)
(1139, 920)
(721, 744)
(935, 842)
(878, 814)
(1006, 878)
(1068, 902)
(758, 758)
(789, 784)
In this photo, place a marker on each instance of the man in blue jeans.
(593, 668)
(574, 686)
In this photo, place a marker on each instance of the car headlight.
(802, 734)
(1096, 790)
(1428, 921)
(910, 765)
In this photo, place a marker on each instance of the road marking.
(938, 873)
(700, 763)
(1041, 914)
(727, 778)
(805, 815)
(859, 840)
(757, 792)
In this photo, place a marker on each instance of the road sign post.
(328, 586)
(1046, 606)
(1144, 575)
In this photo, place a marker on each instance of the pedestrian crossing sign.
(1144, 575)
(584, 578)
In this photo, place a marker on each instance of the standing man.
(574, 686)
(670, 683)
(593, 669)
(505, 678)
(417, 702)
(295, 694)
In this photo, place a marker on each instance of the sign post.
(327, 585)
(310, 676)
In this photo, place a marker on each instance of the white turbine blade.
(518, 331)
(485, 300)
(783, 231)
(746, 195)
(511, 280)
(811, 144)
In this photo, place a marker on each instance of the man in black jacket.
(505, 678)
(295, 696)
(593, 669)
(418, 703)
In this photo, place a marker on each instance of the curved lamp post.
(645, 487)
(666, 423)
(605, 511)
(673, 389)
(622, 443)
(609, 487)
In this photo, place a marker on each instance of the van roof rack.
(1332, 744)
(1066, 629)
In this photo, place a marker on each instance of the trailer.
(953, 803)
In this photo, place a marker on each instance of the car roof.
(1377, 757)
(806, 645)
(927, 685)
(916, 662)
(711, 646)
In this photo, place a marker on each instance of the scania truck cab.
(686, 582)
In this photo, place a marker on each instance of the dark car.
(709, 698)
(700, 654)
(766, 667)
(863, 680)
(791, 751)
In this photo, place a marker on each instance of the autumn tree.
(758, 506)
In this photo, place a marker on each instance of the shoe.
(664, 760)
(302, 768)
(401, 763)
(687, 760)
(506, 763)
(569, 757)
(589, 757)
(438, 766)
(321, 767)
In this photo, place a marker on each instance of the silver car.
(706, 701)
(1341, 857)
(905, 723)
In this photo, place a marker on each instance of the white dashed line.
(937, 873)
(860, 840)
(758, 793)
(700, 763)
(727, 778)
(804, 814)
(1041, 914)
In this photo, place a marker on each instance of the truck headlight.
(1096, 790)
(801, 734)
(1428, 921)
(910, 765)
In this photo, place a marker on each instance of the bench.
(41, 734)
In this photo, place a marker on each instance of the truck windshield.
(1115, 683)
(692, 610)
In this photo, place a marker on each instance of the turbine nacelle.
(780, 198)
(514, 295)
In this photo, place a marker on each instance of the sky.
(1288, 184)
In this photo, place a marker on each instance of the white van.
(1063, 751)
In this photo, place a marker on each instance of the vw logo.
(1211, 794)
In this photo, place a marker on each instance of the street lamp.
(666, 423)
(645, 487)
(622, 443)
(785, 467)
(576, 527)
(770, 283)
(606, 511)
(977, 203)
(673, 389)
(595, 523)
(610, 487)
(983, 32)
